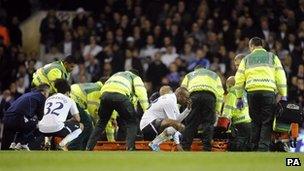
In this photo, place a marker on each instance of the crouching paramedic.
(162, 121)
(117, 94)
(55, 70)
(240, 119)
(87, 98)
(206, 93)
(56, 110)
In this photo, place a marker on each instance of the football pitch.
(145, 161)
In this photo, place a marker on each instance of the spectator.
(188, 54)
(49, 30)
(169, 55)
(149, 49)
(53, 55)
(92, 49)
(23, 76)
(4, 69)
(200, 60)
(173, 77)
(68, 46)
(80, 19)
(4, 35)
(15, 32)
(156, 71)
(132, 61)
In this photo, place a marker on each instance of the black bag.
(289, 113)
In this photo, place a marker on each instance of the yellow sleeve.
(240, 80)
(185, 82)
(229, 106)
(141, 93)
(114, 115)
(220, 95)
(280, 77)
(53, 75)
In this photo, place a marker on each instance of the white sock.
(176, 137)
(160, 138)
(70, 137)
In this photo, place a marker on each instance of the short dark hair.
(198, 67)
(70, 59)
(239, 56)
(42, 87)
(256, 41)
(62, 86)
(134, 71)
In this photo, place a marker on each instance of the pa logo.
(293, 162)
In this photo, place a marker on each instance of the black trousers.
(122, 104)
(81, 141)
(261, 110)
(17, 129)
(203, 112)
(242, 140)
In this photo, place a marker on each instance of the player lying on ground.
(56, 110)
(162, 121)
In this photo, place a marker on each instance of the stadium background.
(181, 34)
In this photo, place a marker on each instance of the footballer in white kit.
(162, 121)
(56, 110)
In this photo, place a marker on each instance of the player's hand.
(284, 98)
(181, 127)
(240, 103)
(179, 147)
(189, 104)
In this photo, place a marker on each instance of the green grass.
(146, 161)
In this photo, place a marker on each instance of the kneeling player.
(162, 121)
(56, 110)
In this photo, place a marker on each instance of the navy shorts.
(152, 130)
(69, 127)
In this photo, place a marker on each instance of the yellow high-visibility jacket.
(128, 84)
(49, 73)
(87, 95)
(232, 112)
(205, 80)
(260, 70)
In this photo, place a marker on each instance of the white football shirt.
(165, 107)
(56, 110)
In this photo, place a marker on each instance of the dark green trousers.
(202, 112)
(80, 142)
(241, 142)
(261, 110)
(122, 104)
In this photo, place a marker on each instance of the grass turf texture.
(145, 161)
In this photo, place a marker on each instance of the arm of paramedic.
(240, 80)
(141, 93)
(280, 77)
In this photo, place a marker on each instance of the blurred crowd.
(164, 40)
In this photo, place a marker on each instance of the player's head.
(69, 63)
(182, 95)
(198, 67)
(62, 86)
(255, 42)
(44, 89)
(230, 81)
(237, 60)
(165, 90)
